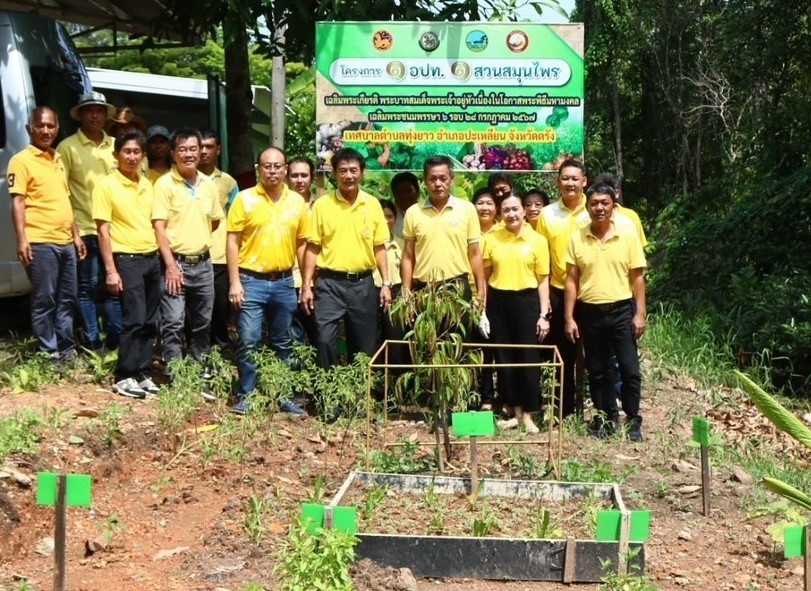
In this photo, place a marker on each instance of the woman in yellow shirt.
(398, 354)
(485, 205)
(516, 264)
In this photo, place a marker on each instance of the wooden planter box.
(560, 560)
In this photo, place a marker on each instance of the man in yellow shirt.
(47, 237)
(619, 208)
(442, 234)
(605, 306)
(557, 222)
(158, 151)
(122, 209)
(88, 158)
(345, 243)
(186, 212)
(267, 226)
(226, 192)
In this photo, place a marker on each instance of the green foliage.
(255, 513)
(545, 528)
(179, 401)
(19, 433)
(594, 470)
(402, 459)
(785, 515)
(436, 319)
(521, 464)
(100, 364)
(374, 496)
(483, 525)
(109, 420)
(30, 375)
(315, 562)
(633, 580)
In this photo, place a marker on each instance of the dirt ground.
(177, 517)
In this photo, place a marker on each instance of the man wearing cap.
(47, 237)
(267, 225)
(345, 243)
(185, 213)
(157, 151)
(226, 192)
(88, 157)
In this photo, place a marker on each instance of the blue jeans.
(88, 294)
(191, 310)
(52, 274)
(274, 301)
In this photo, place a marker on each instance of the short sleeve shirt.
(127, 206)
(441, 238)
(270, 230)
(39, 177)
(605, 267)
(347, 234)
(557, 224)
(188, 211)
(516, 260)
(226, 192)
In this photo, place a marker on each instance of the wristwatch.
(547, 316)
(387, 284)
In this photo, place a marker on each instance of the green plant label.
(313, 516)
(491, 96)
(608, 526)
(794, 541)
(473, 424)
(77, 493)
(343, 518)
(701, 431)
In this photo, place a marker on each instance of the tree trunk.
(615, 107)
(238, 111)
(277, 93)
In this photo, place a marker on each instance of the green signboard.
(491, 96)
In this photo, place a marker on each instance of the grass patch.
(19, 434)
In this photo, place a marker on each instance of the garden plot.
(511, 529)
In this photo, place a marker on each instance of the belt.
(268, 276)
(191, 259)
(421, 284)
(605, 308)
(343, 275)
(144, 255)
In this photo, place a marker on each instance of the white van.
(39, 66)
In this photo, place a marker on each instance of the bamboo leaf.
(789, 492)
(774, 411)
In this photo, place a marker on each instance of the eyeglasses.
(272, 166)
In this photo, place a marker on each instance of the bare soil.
(181, 510)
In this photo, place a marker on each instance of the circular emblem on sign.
(396, 70)
(382, 40)
(461, 70)
(476, 41)
(517, 41)
(429, 41)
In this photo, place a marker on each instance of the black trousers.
(567, 350)
(606, 331)
(140, 312)
(354, 301)
(221, 313)
(513, 317)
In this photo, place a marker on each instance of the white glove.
(484, 326)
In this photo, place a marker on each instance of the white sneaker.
(207, 394)
(129, 387)
(148, 386)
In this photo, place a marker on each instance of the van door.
(40, 67)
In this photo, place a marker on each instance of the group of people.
(181, 249)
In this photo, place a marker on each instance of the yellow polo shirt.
(127, 205)
(394, 255)
(557, 224)
(39, 177)
(226, 192)
(269, 230)
(86, 164)
(153, 175)
(188, 211)
(516, 260)
(605, 267)
(441, 238)
(347, 234)
(634, 218)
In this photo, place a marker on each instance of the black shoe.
(634, 428)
